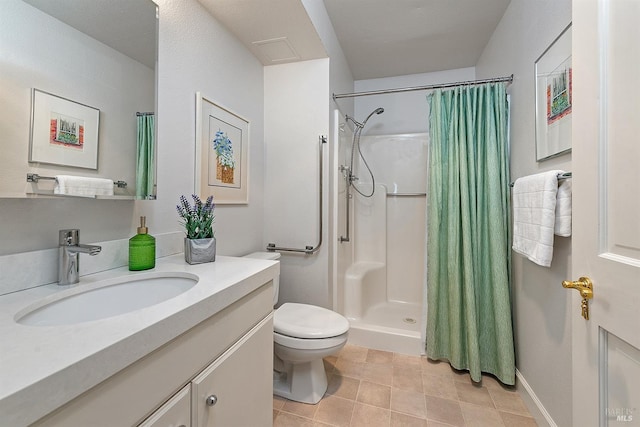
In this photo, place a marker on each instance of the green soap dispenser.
(142, 249)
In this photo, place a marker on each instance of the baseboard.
(536, 408)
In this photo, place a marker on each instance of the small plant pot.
(198, 251)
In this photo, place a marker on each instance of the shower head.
(378, 110)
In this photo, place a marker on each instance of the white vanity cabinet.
(229, 355)
(230, 392)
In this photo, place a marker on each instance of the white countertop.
(43, 367)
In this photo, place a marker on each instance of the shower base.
(390, 326)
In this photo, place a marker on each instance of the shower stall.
(381, 204)
(378, 201)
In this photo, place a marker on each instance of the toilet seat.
(308, 322)
(309, 343)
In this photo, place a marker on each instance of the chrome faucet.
(68, 260)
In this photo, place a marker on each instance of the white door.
(606, 211)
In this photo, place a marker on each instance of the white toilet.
(303, 334)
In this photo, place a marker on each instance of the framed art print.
(554, 97)
(63, 132)
(222, 146)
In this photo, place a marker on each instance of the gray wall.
(296, 106)
(197, 54)
(541, 307)
(404, 112)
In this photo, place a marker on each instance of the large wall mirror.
(78, 60)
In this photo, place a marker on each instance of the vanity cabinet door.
(175, 413)
(237, 388)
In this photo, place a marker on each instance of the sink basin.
(107, 298)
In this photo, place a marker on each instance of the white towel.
(534, 215)
(563, 209)
(83, 186)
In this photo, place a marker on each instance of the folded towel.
(563, 209)
(534, 214)
(83, 186)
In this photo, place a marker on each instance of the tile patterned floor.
(377, 388)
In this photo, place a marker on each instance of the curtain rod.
(436, 86)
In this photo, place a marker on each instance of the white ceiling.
(276, 31)
(380, 38)
(383, 38)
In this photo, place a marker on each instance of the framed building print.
(553, 89)
(63, 132)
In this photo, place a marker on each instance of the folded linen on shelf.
(83, 186)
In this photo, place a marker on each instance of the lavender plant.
(197, 219)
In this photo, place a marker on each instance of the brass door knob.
(582, 285)
(585, 287)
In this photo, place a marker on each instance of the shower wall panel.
(405, 247)
(399, 164)
(370, 225)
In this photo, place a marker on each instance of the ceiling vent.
(276, 50)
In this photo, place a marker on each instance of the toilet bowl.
(303, 335)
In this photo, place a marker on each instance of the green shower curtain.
(145, 156)
(468, 213)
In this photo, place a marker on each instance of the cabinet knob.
(211, 400)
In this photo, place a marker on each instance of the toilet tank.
(275, 256)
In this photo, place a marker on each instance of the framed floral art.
(222, 147)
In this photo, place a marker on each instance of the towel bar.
(34, 177)
(406, 194)
(565, 175)
(309, 250)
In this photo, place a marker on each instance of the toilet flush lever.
(585, 287)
